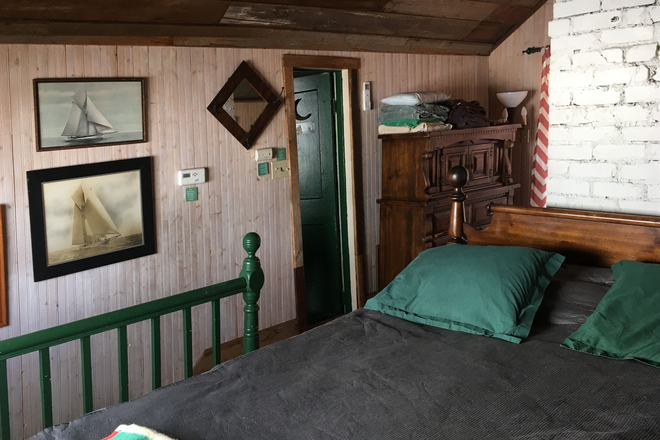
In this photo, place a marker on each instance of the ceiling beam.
(123, 11)
(349, 22)
(30, 32)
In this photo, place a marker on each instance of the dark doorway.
(319, 129)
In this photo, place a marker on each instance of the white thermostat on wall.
(192, 176)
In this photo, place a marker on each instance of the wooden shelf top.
(455, 133)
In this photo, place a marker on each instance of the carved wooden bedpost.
(458, 178)
(254, 278)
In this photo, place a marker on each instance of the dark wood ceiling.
(409, 26)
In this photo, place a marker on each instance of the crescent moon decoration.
(298, 117)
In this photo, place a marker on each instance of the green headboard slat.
(215, 332)
(122, 350)
(86, 368)
(4, 400)
(155, 353)
(46, 390)
(187, 343)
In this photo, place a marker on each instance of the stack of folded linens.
(413, 112)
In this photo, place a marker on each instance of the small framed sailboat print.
(89, 112)
(87, 216)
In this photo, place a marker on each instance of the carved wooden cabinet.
(415, 204)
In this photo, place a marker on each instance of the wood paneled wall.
(511, 70)
(198, 243)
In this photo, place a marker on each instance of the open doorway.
(322, 180)
(319, 95)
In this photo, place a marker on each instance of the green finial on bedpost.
(254, 278)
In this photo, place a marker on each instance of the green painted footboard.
(249, 282)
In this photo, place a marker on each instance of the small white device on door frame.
(366, 95)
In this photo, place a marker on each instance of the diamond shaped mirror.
(245, 105)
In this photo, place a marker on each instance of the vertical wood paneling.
(198, 243)
(511, 70)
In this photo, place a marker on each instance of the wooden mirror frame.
(273, 101)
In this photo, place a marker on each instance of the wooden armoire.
(414, 208)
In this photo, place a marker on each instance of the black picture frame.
(95, 205)
(120, 104)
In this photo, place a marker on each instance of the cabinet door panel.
(481, 163)
(451, 157)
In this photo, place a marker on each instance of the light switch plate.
(192, 176)
(281, 169)
(263, 154)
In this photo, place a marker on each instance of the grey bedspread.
(372, 376)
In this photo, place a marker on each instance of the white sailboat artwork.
(85, 120)
(91, 222)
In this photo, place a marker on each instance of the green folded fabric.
(486, 290)
(412, 123)
(626, 323)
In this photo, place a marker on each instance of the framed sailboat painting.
(89, 112)
(87, 216)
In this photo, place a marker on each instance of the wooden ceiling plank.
(384, 5)
(123, 11)
(348, 5)
(487, 32)
(511, 15)
(523, 3)
(463, 10)
(223, 36)
(326, 20)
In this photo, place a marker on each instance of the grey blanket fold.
(421, 111)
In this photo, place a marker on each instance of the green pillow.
(626, 323)
(486, 290)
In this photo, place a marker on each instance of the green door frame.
(349, 222)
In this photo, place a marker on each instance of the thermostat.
(192, 176)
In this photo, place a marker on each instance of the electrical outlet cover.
(263, 154)
(281, 169)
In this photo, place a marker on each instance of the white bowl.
(512, 99)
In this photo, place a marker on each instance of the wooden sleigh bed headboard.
(584, 237)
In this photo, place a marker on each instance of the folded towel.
(135, 432)
(424, 127)
(412, 123)
(421, 112)
(413, 98)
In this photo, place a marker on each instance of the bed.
(370, 375)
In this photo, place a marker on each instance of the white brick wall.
(604, 151)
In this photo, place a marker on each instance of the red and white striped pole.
(540, 166)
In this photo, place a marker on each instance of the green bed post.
(254, 279)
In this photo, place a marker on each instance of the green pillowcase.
(486, 290)
(626, 323)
